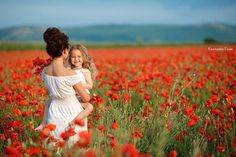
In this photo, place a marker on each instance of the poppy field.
(148, 102)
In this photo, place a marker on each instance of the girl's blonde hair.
(88, 62)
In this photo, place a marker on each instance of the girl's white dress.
(83, 80)
(64, 106)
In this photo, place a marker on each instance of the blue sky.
(66, 13)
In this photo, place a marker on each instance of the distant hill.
(128, 33)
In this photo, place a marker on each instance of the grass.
(12, 46)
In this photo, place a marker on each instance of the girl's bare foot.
(39, 128)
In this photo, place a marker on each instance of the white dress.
(64, 106)
(83, 80)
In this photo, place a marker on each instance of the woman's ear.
(65, 53)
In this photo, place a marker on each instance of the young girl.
(80, 61)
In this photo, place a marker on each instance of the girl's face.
(76, 58)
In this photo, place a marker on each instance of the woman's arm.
(81, 91)
(45, 116)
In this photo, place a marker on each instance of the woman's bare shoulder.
(48, 69)
(58, 72)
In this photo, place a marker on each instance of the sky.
(69, 13)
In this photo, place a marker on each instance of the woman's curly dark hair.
(56, 42)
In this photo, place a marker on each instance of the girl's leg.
(88, 108)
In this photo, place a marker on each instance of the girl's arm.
(88, 108)
(81, 91)
(88, 79)
(85, 97)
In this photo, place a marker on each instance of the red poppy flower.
(191, 122)
(2, 137)
(115, 126)
(70, 132)
(115, 96)
(90, 153)
(85, 139)
(129, 150)
(18, 146)
(65, 135)
(17, 112)
(34, 151)
(173, 153)
(137, 134)
(114, 143)
(109, 93)
(126, 97)
(189, 111)
(221, 148)
(14, 136)
(11, 151)
(80, 122)
(98, 100)
(90, 123)
(45, 132)
(147, 97)
(101, 128)
(61, 143)
(145, 155)
(51, 127)
(215, 98)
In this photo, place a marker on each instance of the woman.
(62, 83)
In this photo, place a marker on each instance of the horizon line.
(117, 24)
